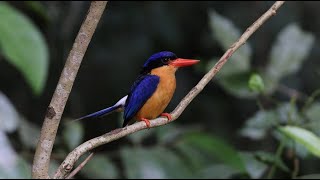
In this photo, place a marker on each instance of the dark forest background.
(258, 118)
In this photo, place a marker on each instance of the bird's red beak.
(179, 62)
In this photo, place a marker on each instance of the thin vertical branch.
(296, 167)
(76, 170)
(278, 156)
(56, 107)
(67, 165)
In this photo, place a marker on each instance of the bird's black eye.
(165, 60)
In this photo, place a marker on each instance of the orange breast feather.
(160, 99)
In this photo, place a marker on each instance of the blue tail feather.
(103, 112)
(100, 113)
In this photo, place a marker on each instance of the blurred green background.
(258, 118)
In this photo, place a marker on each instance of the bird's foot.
(167, 115)
(146, 121)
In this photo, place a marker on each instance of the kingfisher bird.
(151, 92)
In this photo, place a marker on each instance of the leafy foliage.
(11, 164)
(23, 46)
(286, 57)
(100, 167)
(153, 163)
(29, 133)
(9, 116)
(303, 136)
(177, 150)
(288, 52)
(313, 114)
(254, 167)
(270, 158)
(257, 126)
(226, 33)
(73, 134)
(217, 148)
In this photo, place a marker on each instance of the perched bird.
(151, 92)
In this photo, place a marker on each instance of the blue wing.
(141, 91)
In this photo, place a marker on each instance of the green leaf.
(9, 117)
(138, 163)
(218, 171)
(54, 165)
(153, 163)
(254, 167)
(231, 67)
(226, 33)
(23, 169)
(29, 133)
(23, 46)
(171, 132)
(204, 165)
(8, 160)
(12, 165)
(73, 134)
(256, 83)
(215, 147)
(271, 159)
(304, 137)
(299, 149)
(168, 133)
(139, 136)
(313, 114)
(237, 85)
(257, 126)
(288, 113)
(100, 167)
(193, 156)
(270, 85)
(289, 51)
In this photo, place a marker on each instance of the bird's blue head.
(165, 58)
(159, 59)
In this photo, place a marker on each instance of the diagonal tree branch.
(50, 126)
(70, 160)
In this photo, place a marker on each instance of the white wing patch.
(122, 101)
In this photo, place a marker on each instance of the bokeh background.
(229, 130)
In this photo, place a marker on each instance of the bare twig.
(75, 171)
(310, 100)
(70, 160)
(278, 156)
(295, 167)
(52, 119)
